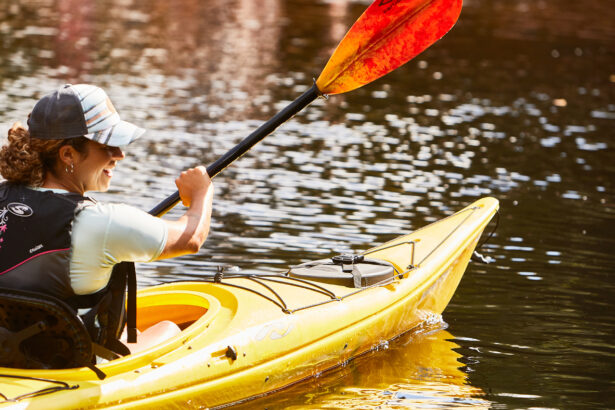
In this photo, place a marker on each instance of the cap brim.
(122, 133)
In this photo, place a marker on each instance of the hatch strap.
(356, 276)
(346, 260)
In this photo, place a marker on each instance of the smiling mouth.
(108, 172)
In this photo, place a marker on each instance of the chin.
(102, 188)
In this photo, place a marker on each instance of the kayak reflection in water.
(56, 241)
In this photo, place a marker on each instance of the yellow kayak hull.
(247, 337)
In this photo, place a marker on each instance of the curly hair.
(25, 160)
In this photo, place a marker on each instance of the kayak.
(246, 335)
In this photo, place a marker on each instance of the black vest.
(35, 239)
(35, 252)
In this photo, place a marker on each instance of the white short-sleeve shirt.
(106, 234)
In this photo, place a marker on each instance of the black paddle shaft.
(246, 144)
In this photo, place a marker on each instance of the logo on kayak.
(15, 208)
(274, 331)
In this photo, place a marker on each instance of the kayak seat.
(345, 270)
(41, 332)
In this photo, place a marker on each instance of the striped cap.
(80, 110)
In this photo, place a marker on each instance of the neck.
(51, 181)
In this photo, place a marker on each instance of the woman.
(57, 241)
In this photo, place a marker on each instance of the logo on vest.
(15, 208)
(18, 209)
(36, 248)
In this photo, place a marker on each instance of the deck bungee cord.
(479, 257)
(48, 390)
(286, 279)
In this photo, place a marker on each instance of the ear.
(67, 155)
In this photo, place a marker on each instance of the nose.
(117, 153)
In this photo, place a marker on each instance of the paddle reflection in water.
(421, 369)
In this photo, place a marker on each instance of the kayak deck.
(247, 335)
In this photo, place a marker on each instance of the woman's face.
(94, 170)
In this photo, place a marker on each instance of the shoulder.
(118, 218)
(99, 209)
(112, 212)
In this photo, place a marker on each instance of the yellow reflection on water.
(419, 370)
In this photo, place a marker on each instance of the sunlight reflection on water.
(516, 102)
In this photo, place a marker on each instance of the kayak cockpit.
(41, 333)
(182, 308)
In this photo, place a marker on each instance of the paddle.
(387, 35)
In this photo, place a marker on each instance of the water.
(516, 102)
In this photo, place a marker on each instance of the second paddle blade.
(387, 35)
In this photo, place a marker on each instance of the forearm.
(187, 234)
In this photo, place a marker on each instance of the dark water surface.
(516, 102)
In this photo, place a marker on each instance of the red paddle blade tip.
(386, 36)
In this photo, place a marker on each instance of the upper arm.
(122, 233)
(106, 234)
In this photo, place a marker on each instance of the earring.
(71, 170)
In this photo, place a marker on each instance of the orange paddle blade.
(387, 35)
